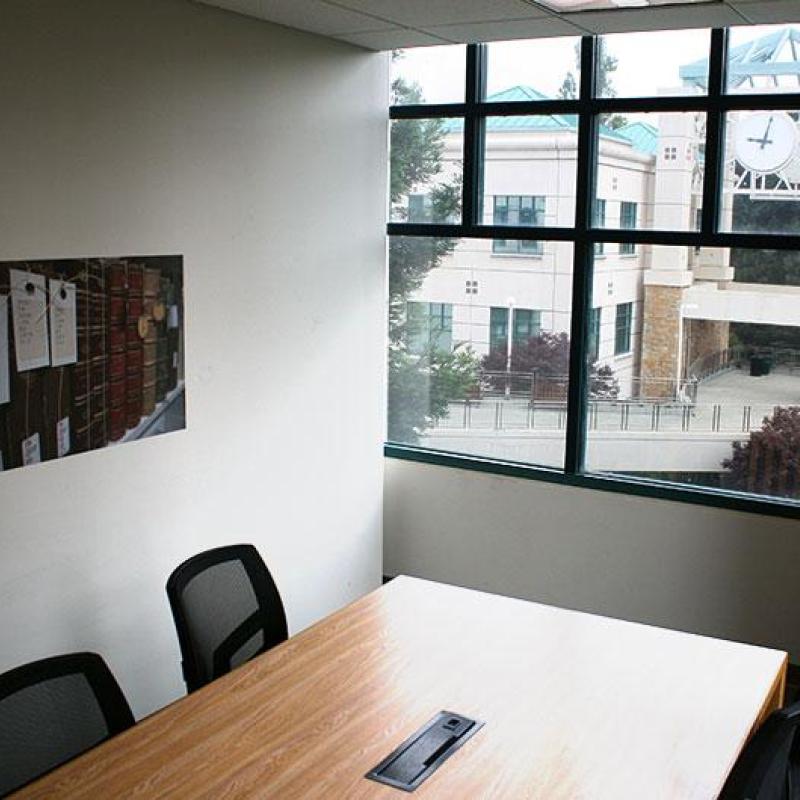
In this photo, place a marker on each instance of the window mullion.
(583, 264)
(473, 135)
(715, 132)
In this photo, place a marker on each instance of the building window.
(527, 324)
(623, 328)
(594, 334)
(420, 208)
(627, 221)
(694, 350)
(498, 329)
(599, 222)
(429, 327)
(518, 210)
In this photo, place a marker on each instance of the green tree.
(607, 66)
(420, 386)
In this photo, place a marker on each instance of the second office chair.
(227, 610)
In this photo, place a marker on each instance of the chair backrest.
(53, 710)
(769, 766)
(227, 610)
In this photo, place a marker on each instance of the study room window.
(430, 327)
(694, 341)
(623, 326)
(627, 221)
(518, 211)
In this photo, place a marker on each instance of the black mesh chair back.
(769, 766)
(227, 610)
(53, 710)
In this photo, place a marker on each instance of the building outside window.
(519, 210)
(599, 222)
(627, 220)
(420, 208)
(429, 327)
(527, 324)
(623, 328)
(594, 333)
(498, 329)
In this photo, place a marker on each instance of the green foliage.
(607, 66)
(769, 462)
(421, 386)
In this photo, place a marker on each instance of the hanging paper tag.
(29, 313)
(5, 386)
(172, 317)
(63, 328)
(31, 450)
(62, 437)
(175, 359)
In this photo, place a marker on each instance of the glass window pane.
(428, 75)
(764, 58)
(650, 172)
(761, 183)
(537, 69)
(530, 170)
(708, 390)
(499, 389)
(654, 63)
(426, 166)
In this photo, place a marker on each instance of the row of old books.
(125, 345)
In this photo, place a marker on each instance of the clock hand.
(766, 140)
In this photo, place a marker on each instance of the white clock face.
(765, 142)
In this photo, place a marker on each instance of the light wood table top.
(574, 705)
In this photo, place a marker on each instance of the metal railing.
(626, 416)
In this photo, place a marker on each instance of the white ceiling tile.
(769, 11)
(307, 15)
(528, 28)
(391, 39)
(656, 18)
(423, 14)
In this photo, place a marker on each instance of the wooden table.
(575, 706)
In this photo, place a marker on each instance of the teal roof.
(643, 137)
(759, 57)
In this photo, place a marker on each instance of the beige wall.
(683, 566)
(161, 126)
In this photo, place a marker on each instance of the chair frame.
(110, 699)
(753, 764)
(269, 618)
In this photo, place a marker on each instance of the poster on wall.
(91, 355)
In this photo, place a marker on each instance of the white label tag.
(29, 312)
(5, 388)
(63, 328)
(175, 360)
(172, 317)
(62, 437)
(31, 451)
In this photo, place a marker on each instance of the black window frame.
(585, 236)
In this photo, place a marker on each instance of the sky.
(648, 63)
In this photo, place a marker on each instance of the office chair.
(227, 610)
(769, 766)
(53, 710)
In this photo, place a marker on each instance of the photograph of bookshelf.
(91, 354)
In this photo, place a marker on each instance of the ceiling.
(388, 24)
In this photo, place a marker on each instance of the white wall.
(160, 126)
(689, 567)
